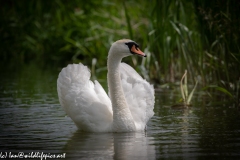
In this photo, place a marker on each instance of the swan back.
(139, 95)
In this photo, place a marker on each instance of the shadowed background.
(200, 36)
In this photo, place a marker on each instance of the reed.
(176, 35)
(179, 41)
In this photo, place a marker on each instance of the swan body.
(129, 105)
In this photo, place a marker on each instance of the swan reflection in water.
(128, 108)
(132, 145)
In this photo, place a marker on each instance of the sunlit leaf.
(191, 94)
(183, 87)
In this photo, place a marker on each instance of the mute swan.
(131, 98)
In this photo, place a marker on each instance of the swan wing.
(139, 95)
(84, 101)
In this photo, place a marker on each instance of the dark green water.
(32, 120)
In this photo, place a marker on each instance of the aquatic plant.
(184, 90)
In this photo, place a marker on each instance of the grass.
(199, 36)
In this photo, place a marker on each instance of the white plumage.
(129, 105)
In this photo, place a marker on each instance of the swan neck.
(114, 83)
(122, 117)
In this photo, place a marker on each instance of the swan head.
(126, 47)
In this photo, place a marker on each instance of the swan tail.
(85, 102)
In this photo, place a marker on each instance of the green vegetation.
(199, 36)
(184, 90)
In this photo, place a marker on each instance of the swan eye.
(131, 45)
(134, 49)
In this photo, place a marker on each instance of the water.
(32, 121)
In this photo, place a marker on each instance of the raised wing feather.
(139, 95)
(85, 102)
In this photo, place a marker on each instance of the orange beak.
(137, 51)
